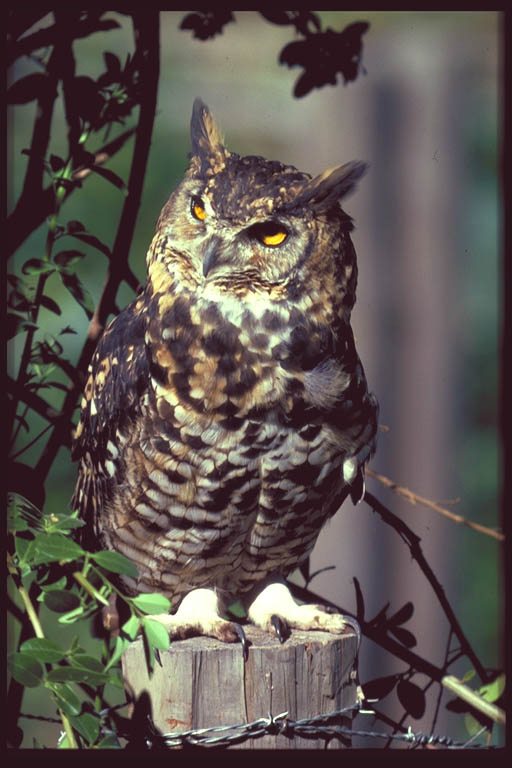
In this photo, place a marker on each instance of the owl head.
(250, 226)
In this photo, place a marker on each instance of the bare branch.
(35, 402)
(51, 35)
(414, 498)
(146, 28)
(413, 542)
(376, 634)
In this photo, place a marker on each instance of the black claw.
(243, 641)
(281, 628)
(157, 656)
(354, 625)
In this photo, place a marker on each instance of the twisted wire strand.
(322, 726)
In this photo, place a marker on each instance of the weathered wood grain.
(203, 682)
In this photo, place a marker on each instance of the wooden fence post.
(203, 682)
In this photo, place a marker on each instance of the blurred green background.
(426, 115)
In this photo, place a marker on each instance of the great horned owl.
(226, 416)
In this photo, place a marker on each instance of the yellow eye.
(197, 209)
(276, 238)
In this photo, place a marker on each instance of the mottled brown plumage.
(226, 416)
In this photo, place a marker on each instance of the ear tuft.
(331, 185)
(207, 142)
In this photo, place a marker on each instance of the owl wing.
(118, 377)
(336, 390)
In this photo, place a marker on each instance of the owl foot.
(276, 611)
(198, 614)
(281, 628)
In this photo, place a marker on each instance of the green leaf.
(51, 305)
(109, 742)
(110, 176)
(66, 698)
(75, 646)
(74, 226)
(79, 293)
(87, 726)
(25, 669)
(37, 266)
(15, 522)
(468, 676)
(27, 89)
(156, 634)
(85, 237)
(76, 675)
(71, 616)
(59, 584)
(115, 562)
(68, 258)
(59, 601)
(56, 163)
(131, 627)
(55, 546)
(121, 645)
(68, 523)
(83, 661)
(472, 724)
(492, 691)
(402, 615)
(42, 649)
(115, 680)
(16, 324)
(25, 551)
(412, 698)
(152, 603)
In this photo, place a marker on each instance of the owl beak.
(211, 254)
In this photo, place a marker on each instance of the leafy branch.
(389, 634)
(77, 590)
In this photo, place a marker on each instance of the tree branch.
(32, 212)
(33, 181)
(413, 542)
(43, 38)
(34, 401)
(147, 31)
(414, 498)
(375, 634)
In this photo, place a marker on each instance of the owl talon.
(280, 627)
(243, 640)
(352, 624)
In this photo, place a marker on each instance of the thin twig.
(31, 213)
(29, 445)
(33, 400)
(473, 698)
(414, 498)
(25, 597)
(413, 542)
(380, 638)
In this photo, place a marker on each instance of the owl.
(226, 415)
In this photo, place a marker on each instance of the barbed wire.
(324, 726)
